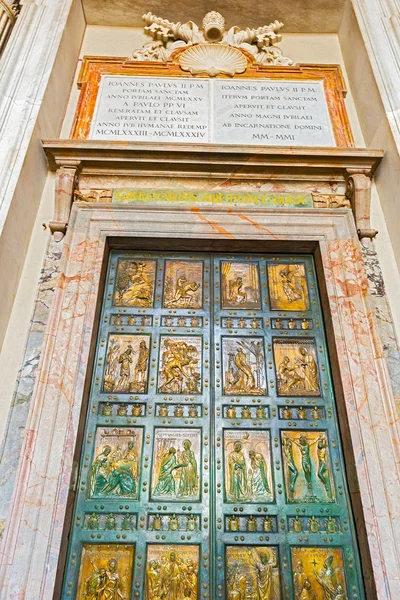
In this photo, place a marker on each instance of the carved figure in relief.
(287, 375)
(323, 468)
(291, 283)
(264, 564)
(184, 291)
(135, 283)
(302, 585)
(292, 469)
(188, 480)
(237, 474)
(166, 482)
(236, 296)
(100, 472)
(179, 372)
(310, 371)
(259, 475)
(105, 584)
(304, 445)
(328, 580)
(141, 364)
(153, 582)
(125, 360)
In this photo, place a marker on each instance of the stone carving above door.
(211, 49)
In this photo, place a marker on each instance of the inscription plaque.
(252, 112)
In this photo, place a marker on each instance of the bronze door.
(211, 463)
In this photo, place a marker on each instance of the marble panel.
(34, 529)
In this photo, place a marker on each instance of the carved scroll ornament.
(217, 51)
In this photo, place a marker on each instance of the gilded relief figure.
(252, 573)
(240, 285)
(105, 572)
(292, 472)
(179, 368)
(244, 366)
(296, 368)
(308, 473)
(247, 466)
(172, 572)
(287, 287)
(176, 457)
(183, 284)
(318, 574)
(134, 283)
(127, 364)
(115, 468)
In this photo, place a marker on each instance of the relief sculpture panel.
(247, 457)
(105, 572)
(287, 287)
(172, 572)
(115, 471)
(318, 574)
(244, 366)
(252, 572)
(180, 365)
(296, 368)
(240, 283)
(183, 284)
(134, 283)
(307, 466)
(176, 464)
(126, 366)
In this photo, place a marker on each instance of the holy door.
(211, 463)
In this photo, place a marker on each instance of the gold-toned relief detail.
(296, 368)
(105, 572)
(115, 471)
(180, 365)
(126, 367)
(176, 464)
(244, 366)
(172, 572)
(252, 572)
(288, 287)
(183, 284)
(240, 284)
(247, 457)
(134, 283)
(307, 467)
(318, 574)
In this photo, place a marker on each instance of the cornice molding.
(211, 161)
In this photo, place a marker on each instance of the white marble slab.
(271, 113)
(250, 112)
(152, 109)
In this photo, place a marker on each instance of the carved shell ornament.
(211, 50)
(213, 60)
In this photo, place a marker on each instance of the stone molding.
(354, 166)
(34, 530)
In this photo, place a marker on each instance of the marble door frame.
(34, 532)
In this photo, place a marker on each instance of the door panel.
(211, 464)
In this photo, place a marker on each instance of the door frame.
(367, 415)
